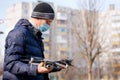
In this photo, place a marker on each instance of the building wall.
(116, 43)
(59, 33)
(113, 22)
(16, 12)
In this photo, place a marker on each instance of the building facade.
(111, 59)
(16, 12)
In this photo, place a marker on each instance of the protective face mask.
(43, 28)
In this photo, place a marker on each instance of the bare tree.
(90, 34)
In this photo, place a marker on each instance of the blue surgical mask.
(43, 28)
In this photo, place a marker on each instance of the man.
(25, 41)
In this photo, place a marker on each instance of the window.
(60, 29)
(61, 22)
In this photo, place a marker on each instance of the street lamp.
(1, 32)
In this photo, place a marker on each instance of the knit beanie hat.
(43, 11)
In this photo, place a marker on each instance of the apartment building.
(59, 33)
(16, 12)
(112, 17)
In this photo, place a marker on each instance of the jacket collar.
(26, 23)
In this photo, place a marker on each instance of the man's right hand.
(42, 69)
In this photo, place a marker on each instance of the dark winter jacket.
(23, 40)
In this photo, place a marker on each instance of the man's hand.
(42, 69)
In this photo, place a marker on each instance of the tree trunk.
(90, 70)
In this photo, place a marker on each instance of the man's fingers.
(41, 64)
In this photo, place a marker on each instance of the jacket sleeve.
(14, 49)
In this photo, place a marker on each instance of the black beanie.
(43, 11)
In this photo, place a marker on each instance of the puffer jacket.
(23, 40)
